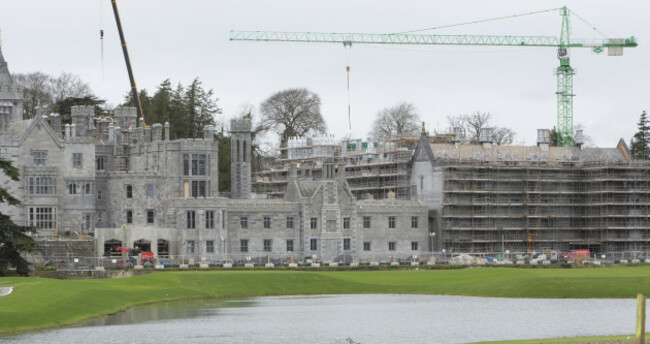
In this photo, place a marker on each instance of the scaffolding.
(531, 207)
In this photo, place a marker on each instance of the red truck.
(577, 254)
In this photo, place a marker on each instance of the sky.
(183, 40)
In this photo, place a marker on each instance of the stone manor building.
(121, 183)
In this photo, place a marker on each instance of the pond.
(344, 319)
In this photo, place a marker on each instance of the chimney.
(156, 132)
(293, 171)
(543, 138)
(579, 139)
(485, 137)
(111, 132)
(67, 132)
(208, 133)
(55, 123)
(340, 172)
(73, 131)
(141, 122)
(457, 134)
(166, 131)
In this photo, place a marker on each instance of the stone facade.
(122, 183)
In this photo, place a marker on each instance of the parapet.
(240, 125)
(83, 110)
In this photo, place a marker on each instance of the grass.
(41, 303)
(582, 340)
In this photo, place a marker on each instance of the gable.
(40, 133)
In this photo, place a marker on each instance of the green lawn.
(41, 302)
(577, 340)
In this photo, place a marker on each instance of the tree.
(472, 124)
(44, 91)
(640, 143)
(37, 92)
(396, 121)
(64, 106)
(14, 239)
(292, 112)
(188, 110)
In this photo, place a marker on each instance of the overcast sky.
(181, 40)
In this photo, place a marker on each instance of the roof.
(5, 77)
(493, 153)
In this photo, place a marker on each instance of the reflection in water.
(350, 318)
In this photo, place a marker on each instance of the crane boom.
(400, 38)
(563, 43)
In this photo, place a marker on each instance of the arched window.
(244, 151)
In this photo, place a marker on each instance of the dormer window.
(39, 157)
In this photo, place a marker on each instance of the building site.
(106, 187)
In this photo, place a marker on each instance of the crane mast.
(562, 43)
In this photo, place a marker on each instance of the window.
(366, 245)
(76, 160)
(129, 216)
(150, 216)
(391, 246)
(209, 246)
(414, 222)
(190, 246)
(243, 245)
(195, 164)
(72, 188)
(267, 245)
(99, 163)
(243, 222)
(289, 245)
(88, 220)
(267, 222)
(414, 245)
(150, 190)
(209, 219)
(313, 244)
(88, 187)
(42, 217)
(42, 185)
(191, 219)
(366, 222)
(99, 217)
(38, 157)
(129, 191)
(314, 222)
(289, 222)
(199, 188)
(99, 194)
(346, 223)
(346, 244)
(391, 222)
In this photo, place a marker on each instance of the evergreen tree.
(13, 238)
(188, 110)
(640, 143)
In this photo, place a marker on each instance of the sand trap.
(6, 291)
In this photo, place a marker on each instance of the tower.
(240, 155)
(10, 95)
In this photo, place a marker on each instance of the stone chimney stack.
(156, 132)
(166, 131)
(67, 132)
(73, 131)
(208, 133)
(55, 123)
(543, 138)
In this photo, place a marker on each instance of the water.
(360, 318)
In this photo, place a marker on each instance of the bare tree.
(37, 92)
(68, 85)
(44, 91)
(292, 112)
(503, 136)
(396, 121)
(472, 124)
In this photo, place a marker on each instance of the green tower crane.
(563, 43)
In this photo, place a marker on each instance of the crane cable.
(101, 35)
(480, 21)
(348, 48)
